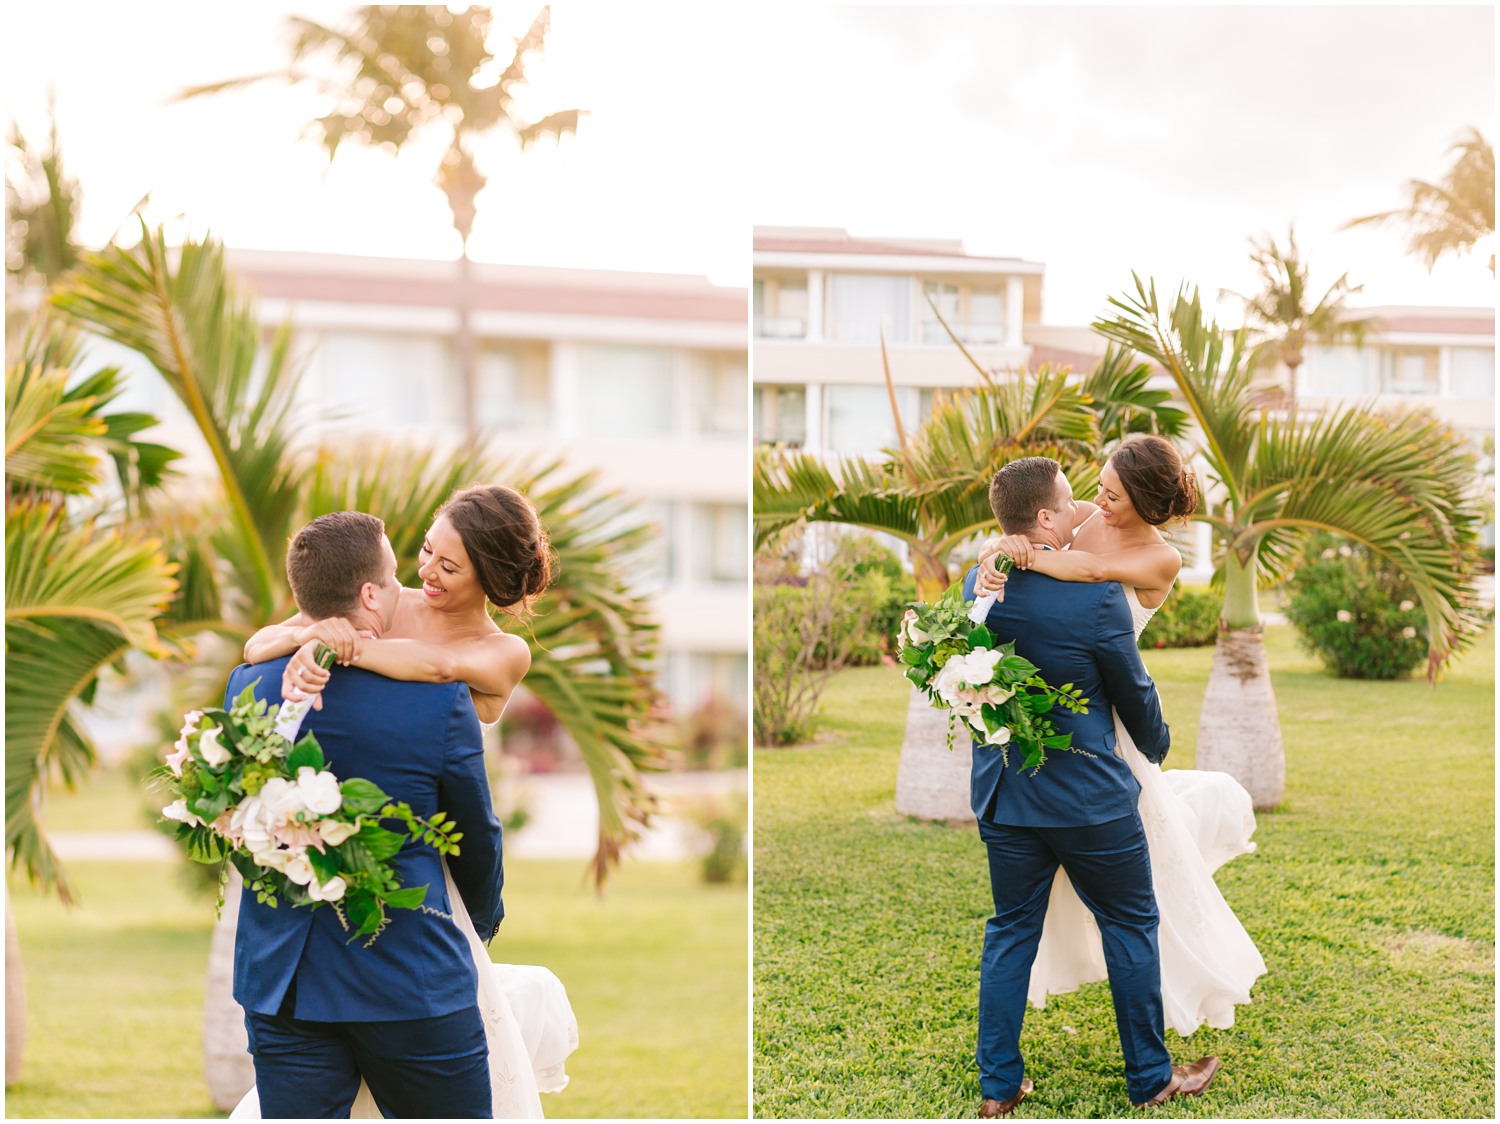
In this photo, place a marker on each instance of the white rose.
(1344, 616)
(1409, 632)
(178, 810)
(299, 870)
(209, 748)
(319, 791)
(335, 832)
(330, 891)
(1407, 606)
(282, 800)
(978, 667)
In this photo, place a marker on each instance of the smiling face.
(448, 579)
(1114, 503)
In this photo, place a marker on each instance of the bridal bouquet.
(244, 792)
(957, 663)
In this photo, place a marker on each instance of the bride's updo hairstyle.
(1160, 486)
(505, 541)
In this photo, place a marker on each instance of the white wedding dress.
(1195, 821)
(528, 1025)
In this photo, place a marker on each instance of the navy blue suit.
(1078, 812)
(402, 1012)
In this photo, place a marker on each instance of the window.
(780, 308)
(512, 392)
(1336, 371)
(986, 319)
(625, 391)
(377, 380)
(945, 296)
(781, 415)
(724, 674)
(719, 385)
(862, 304)
(1474, 372)
(720, 549)
(859, 419)
(1408, 370)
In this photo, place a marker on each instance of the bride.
(1195, 821)
(485, 546)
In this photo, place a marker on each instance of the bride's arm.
(285, 638)
(1146, 568)
(491, 666)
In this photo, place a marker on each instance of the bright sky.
(1101, 140)
(1097, 140)
(650, 183)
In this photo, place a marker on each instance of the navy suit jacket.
(1079, 633)
(420, 742)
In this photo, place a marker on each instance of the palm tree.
(1450, 216)
(592, 641)
(1399, 483)
(932, 493)
(398, 71)
(1280, 317)
(81, 589)
(41, 205)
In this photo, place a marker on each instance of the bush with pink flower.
(243, 793)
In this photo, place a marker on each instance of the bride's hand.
(339, 634)
(990, 579)
(1019, 550)
(302, 678)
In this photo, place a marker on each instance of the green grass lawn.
(656, 971)
(1371, 898)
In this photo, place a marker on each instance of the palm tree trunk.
(1239, 732)
(463, 345)
(932, 781)
(15, 1000)
(1291, 386)
(227, 1066)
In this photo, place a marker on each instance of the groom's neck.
(1041, 536)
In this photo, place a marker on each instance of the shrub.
(876, 591)
(725, 821)
(806, 628)
(1356, 613)
(1189, 618)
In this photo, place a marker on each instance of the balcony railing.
(932, 332)
(780, 327)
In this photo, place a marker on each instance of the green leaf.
(981, 637)
(363, 911)
(309, 753)
(325, 864)
(409, 898)
(362, 797)
(380, 843)
(912, 655)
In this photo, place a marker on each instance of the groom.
(401, 1012)
(1077, 811)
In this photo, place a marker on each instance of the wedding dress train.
(528, 1023)
(1195, 821)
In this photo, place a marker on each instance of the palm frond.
(76, 598)
(190, 322)
(1190, 348)
(1400, 483)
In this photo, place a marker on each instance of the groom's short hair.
(1021, 489)
(330, 559)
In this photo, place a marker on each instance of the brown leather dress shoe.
(1187, 1081)
(992, 1108)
